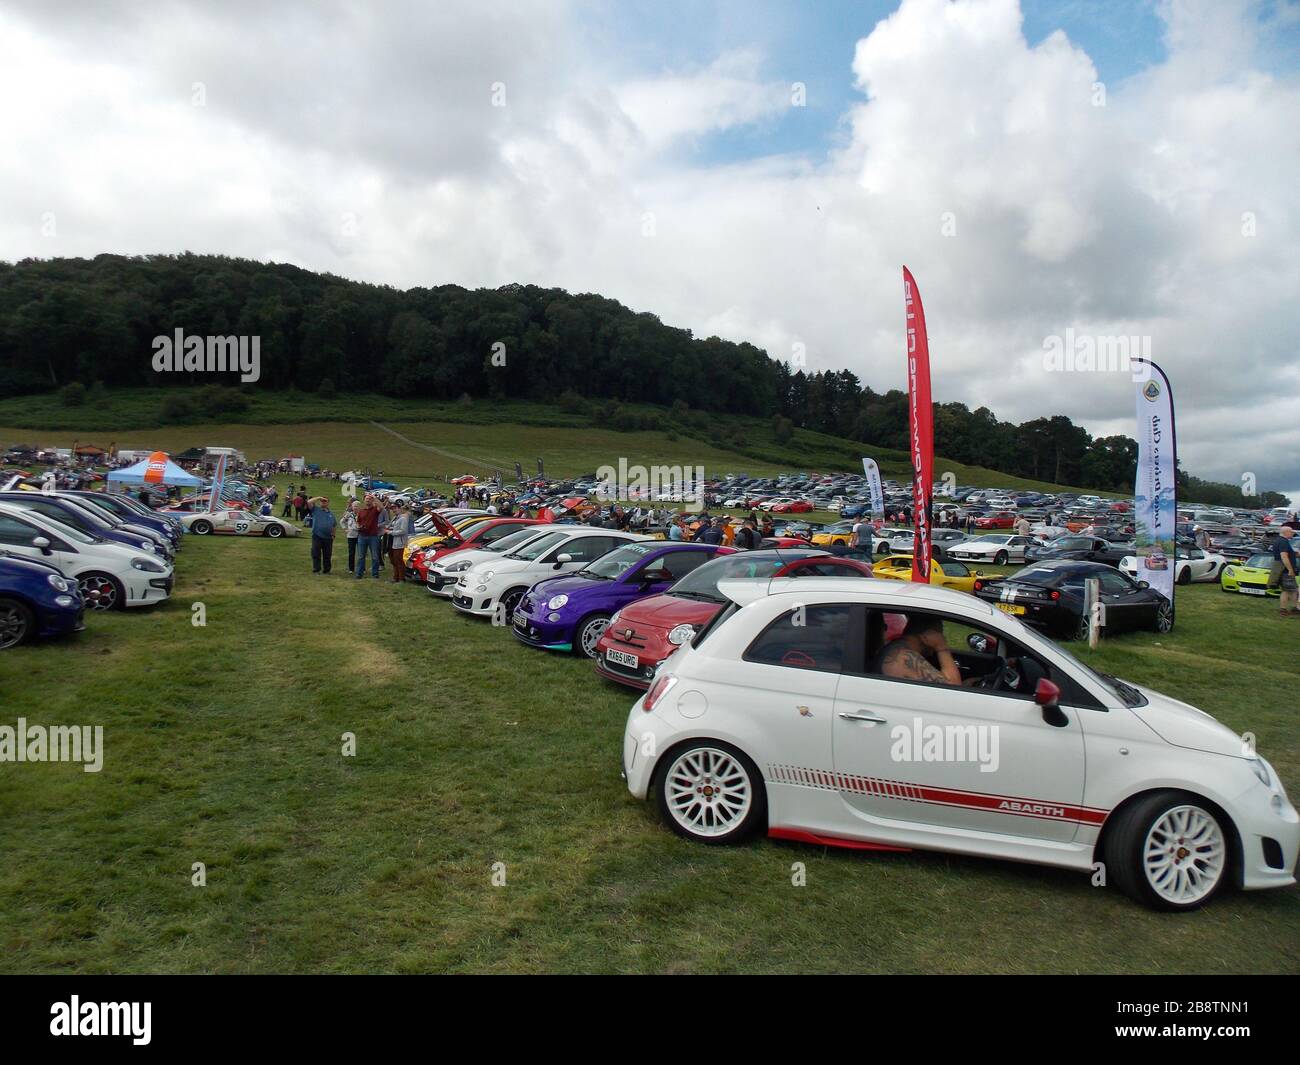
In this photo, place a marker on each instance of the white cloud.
(1126, 218)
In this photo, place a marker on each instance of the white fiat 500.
(501, 582)
(109, 575)
(794, 713)
(446, 571)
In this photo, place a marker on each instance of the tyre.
(511, 600)
(1164, 617)
(1082, 629)
(274, 530)
(1000, 559)
(202, 527)
(1186, 576)
(102, 591)
(589, 634)
(1169, 851)
(17, 623)
(710, 792)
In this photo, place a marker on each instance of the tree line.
(91, 322)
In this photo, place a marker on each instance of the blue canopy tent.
(158, 470)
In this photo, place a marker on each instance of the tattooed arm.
(906, 664)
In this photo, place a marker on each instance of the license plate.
(622, 658)
(1010, 608)
(1251, 591)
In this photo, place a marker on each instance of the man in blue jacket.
(323, 524)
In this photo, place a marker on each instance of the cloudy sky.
(759, 170)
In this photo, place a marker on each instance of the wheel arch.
(1235, 854)
(680, 742)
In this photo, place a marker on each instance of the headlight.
(1229, 572)
(64, 600)
(145, 545)
(681, 634)
(148, 565)
(458, 567)
(556, 601)
(58, 583)
(486, 576)
(1261, 772)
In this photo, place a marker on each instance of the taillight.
(1056, 595)
(979, 585)
(657, 691)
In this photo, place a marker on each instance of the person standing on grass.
(323, 524)
(399, 532)
(1284, 556)
(862, 534)
(368, 537)
(288, 502)
(349, 523)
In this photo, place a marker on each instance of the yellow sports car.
(948, 574)
(840, 532)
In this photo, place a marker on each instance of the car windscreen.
(71, 532)
(618, 561)
(1072, 543)
(536, 548)
(1259, 561)
(703, 583)
(515, 539)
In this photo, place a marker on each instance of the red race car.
(1003, 519)
(480, 535)
(799, 506)
(642, 635)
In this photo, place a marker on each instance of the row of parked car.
(766, 704)
(65, 552)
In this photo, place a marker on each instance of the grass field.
(223, 746)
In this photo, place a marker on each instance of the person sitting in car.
(921, 653)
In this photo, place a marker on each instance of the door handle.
(863, 716)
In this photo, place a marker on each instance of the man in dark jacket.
(323, 524)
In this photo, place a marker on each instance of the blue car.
(36, 600)
(570, 613)
(133, 512)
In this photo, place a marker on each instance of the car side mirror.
(560, 560)
(653, 576)
(981, 644)
(1144, 584)
(1047, 695)
(41, 542)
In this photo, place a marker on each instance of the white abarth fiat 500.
(793, 712)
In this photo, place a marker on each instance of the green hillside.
(339, 432)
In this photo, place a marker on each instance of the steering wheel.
(997, 679)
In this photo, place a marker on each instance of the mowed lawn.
(223, 747)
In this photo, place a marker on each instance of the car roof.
(904, 595)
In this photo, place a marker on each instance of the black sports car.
(1079, 549)
(1050, 596)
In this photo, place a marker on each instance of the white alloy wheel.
(1185, 855)
(708, 792)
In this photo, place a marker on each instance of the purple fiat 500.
(570, 613)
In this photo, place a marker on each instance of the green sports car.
(1249, 577)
